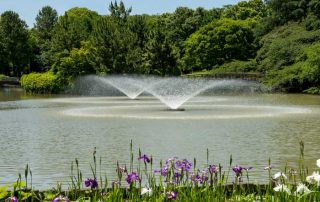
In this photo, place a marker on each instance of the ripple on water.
(197, 109)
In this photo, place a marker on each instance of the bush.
(236, 66)
(46, 82)
(313, 90)
(283, 46)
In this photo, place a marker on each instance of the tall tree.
(119, 12)
(74, 27)
(113, 43)
(72, 30)
(14, 41)
(45, 22)
(43, 31)
(159, 57)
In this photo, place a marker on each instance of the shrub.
(237, 66)
(46, 82)
(313, 90)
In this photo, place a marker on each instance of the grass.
(175, 179)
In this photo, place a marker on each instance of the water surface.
(49, 132)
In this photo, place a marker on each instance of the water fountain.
(171, 91)
(199, 98)
(131, 86)
(174, 92)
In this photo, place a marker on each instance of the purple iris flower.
(92, 183)
(176, 178)
(145, 158)
(171, 195)
(213, 169)
(177, 174)
(163, 171)
(132, 177)
(237, 170)
(61, 198)
(183, 164)
(197, 178)
(12, 199)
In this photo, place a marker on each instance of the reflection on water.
(44, 134)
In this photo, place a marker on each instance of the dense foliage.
(41, 82)
(274, 38)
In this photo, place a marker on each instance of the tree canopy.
(275, 38)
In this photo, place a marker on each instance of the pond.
(48, 133)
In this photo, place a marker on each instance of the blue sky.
(28, 9)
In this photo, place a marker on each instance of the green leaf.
(3, 192)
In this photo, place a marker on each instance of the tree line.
(232, 38)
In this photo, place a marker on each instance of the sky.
(28, 9)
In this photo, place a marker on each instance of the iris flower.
(163, 171)
(145, 158)
(61, 198)
(269, 167)
(247, 169)
(183, 165)
(197, 178)
(171, 195)
(171, 160)
(282, 188)
(314, 178)
(122, 169)
(279, 175)
(132, 177)
(11, 199)
(237, 170)
(92, 183)
(302, 189)
(213, 169)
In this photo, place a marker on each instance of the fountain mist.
(172, 91)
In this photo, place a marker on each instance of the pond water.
(48, 133)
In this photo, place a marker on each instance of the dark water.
(48, 133)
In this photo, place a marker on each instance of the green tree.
(138, 25)
(74, 27)
(14, 41)
(119, 12)
(78, 62)
(113, 42)
(284, 11)
(42, 32)
(45, 22)
(218, 42)
(158, 55)
(3, 60)
(289, 58)
(313, 18)
(246, 9)
(72, 30)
